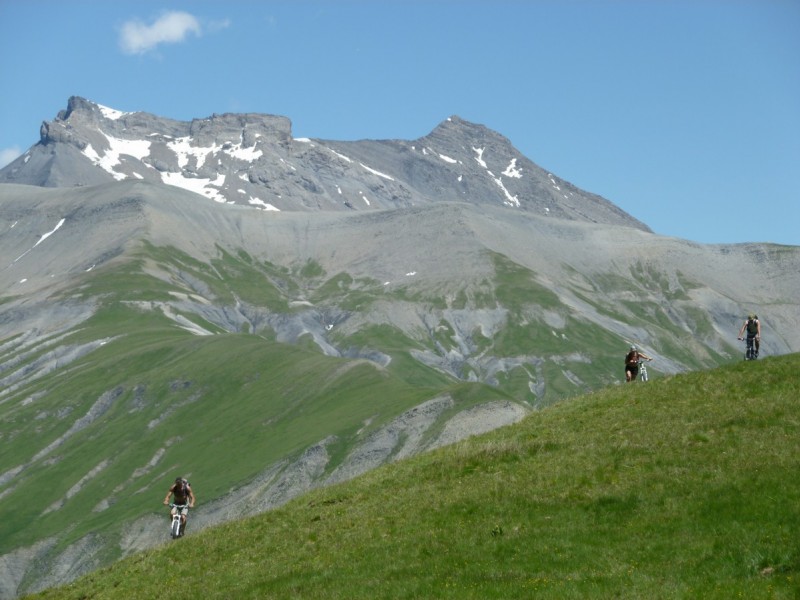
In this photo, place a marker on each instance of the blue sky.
(685, 114)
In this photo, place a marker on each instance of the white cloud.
(8, 154)
(171, 27)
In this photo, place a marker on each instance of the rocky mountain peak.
(245, 129)
(455, 126)
(76, 103)
(253, 159)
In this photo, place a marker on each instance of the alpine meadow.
(677, 489)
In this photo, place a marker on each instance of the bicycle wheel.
(176, 528)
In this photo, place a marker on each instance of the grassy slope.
(220, 409)
(684, 487)
(220, 424)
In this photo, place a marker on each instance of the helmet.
(633, 347)
(751, 316)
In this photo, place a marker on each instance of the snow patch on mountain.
(512, 170)
(111, 113)
(479, 158)
(198, 185)
(41, 239)
(448, 159)
(378, 173)
(262, 204)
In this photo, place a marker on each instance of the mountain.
(253, 160)
(149, 330)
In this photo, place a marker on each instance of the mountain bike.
(177, 528)
(750, 348)
(642, 371)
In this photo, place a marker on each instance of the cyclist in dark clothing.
(753, 327)
(183, 494)
(632, 363)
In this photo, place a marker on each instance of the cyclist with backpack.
(753, 327)
(183, 495)
(632, 363)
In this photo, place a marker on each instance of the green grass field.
(685, 487)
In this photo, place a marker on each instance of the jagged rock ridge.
(252, 159)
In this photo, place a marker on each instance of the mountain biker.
(183, 494)
(753, 327)
(632, 363)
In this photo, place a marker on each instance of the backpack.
(752, 326)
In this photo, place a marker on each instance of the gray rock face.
(252, 159)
